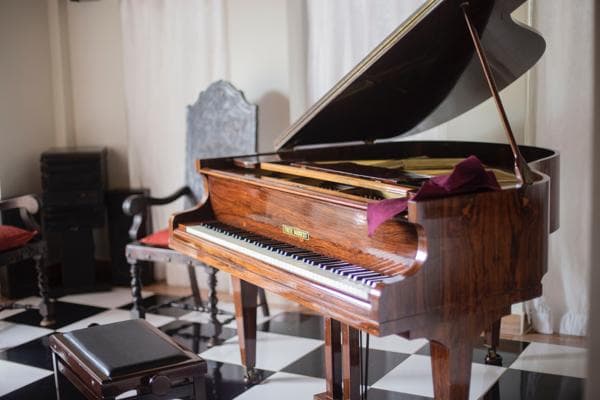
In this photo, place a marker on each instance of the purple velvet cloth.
(468, 176)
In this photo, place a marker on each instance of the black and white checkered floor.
(290, 356)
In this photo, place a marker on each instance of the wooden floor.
(510, 324)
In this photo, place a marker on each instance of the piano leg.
(342, 363)
(451, 367)
(492, 341)
(245, 301)
(333, 361)
(350, 363)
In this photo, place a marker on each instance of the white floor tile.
(114, 298)
(110, 316)
(273, 351)
(9, 313)
(13, 376)
(553, 359)
(395, 343)
(414, 376)
(13, 335)
(34, 301)
(285, 386)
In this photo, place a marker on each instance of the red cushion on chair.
(12, 237)
(157, 239)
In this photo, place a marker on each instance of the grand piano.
(447, 269)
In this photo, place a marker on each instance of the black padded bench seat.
(105, 361)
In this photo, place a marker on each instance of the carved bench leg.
(137, 311)
(244, 299)
(492, 341)
(46, 307)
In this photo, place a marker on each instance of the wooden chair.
(20, 245)
(221, 123)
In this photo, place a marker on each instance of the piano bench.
(105, 361)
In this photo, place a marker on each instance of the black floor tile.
(35, 354)
(158, 299)
(295, 324)
(65, 314)
(524, 385)
(377, 394)
(194, 336)
(380, 363)
(226, 381)
(44, 389)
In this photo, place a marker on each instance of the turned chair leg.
(46, 307)
(213, 301)
(137, 311)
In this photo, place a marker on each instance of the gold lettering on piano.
(295, 232)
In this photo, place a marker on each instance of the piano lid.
(423, 74)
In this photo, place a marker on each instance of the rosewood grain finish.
(335, 230)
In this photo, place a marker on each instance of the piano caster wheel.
(493, 358)
(252, 377)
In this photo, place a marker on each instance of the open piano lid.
(423, 74)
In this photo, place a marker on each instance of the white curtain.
(563, 116)
(342, 32)
(173, 49)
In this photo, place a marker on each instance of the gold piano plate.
(295, 232)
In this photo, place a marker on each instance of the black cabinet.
(74, 183)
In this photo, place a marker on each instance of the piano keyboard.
(349, 278)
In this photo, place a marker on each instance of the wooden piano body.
(451, 267)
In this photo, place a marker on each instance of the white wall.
(259, 61)
(96, 63)
(26, 108)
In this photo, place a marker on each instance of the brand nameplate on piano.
(295, 232)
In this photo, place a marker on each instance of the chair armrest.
(28, 206)
(137, 205)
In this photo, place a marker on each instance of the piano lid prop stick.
(524, 174)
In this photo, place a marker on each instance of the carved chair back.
(221, 123)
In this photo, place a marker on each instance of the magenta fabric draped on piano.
(467, 176)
